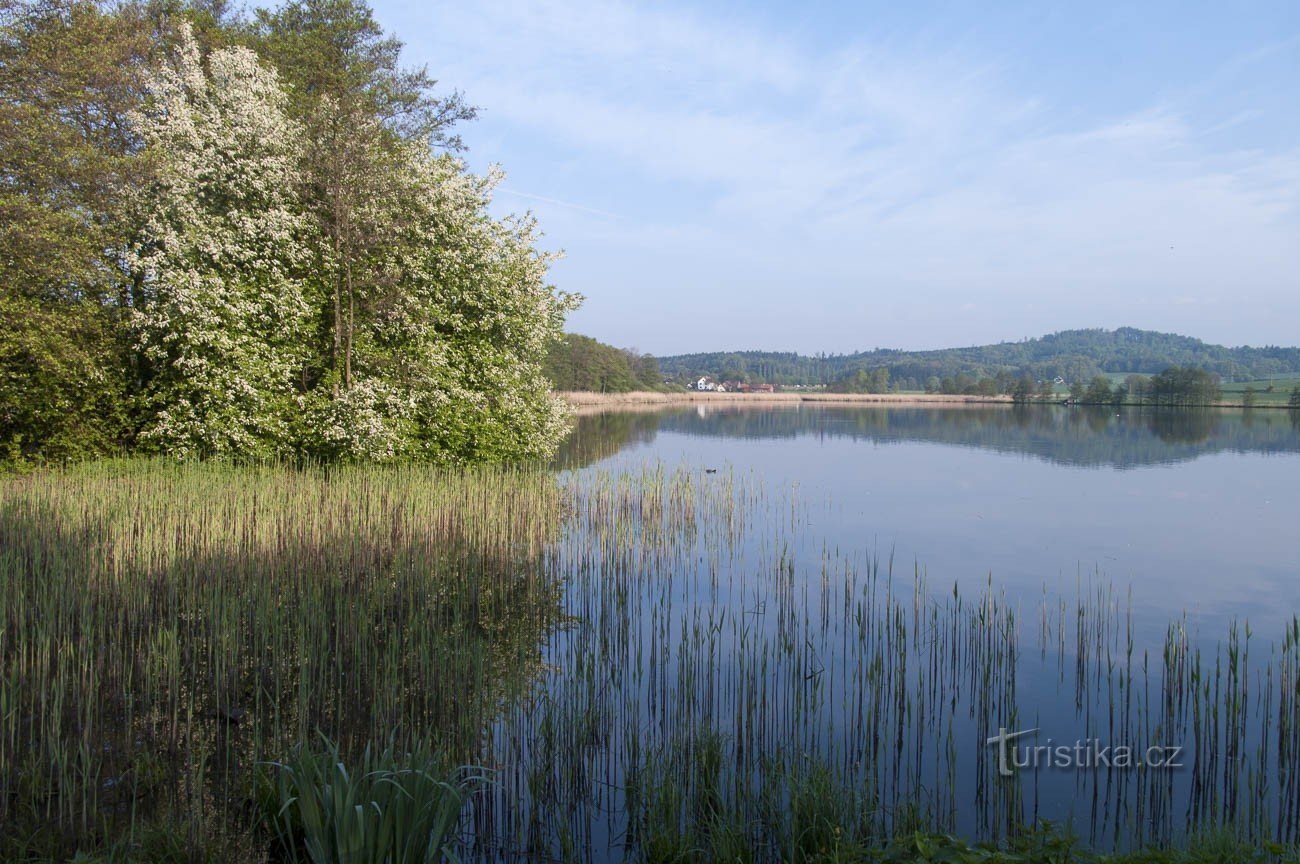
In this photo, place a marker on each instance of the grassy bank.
(1266, 393)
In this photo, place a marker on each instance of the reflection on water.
(881, 589)
(1078, 436)
(1187, 509)
(733, 630)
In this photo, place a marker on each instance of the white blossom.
(223, 323)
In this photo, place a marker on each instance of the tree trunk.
(347, 353)
(338, 321)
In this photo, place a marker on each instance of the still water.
(869, 595)
(1190, 511)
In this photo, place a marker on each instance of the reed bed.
(652, 664)
(726, 661)
(167, 628)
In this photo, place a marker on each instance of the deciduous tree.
(69, 74)
(221, 322)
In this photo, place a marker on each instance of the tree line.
(1175, 386)
(583, 363)
(253, 235)
(1073, 355)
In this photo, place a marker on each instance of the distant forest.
(582, 363)
(1089, 436)
(1074, 355)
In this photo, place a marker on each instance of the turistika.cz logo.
(1084, 754)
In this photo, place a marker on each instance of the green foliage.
(818, 817)
(61, 387)
(875, 381)
(680, 809)
(1023, 390)
(69, 73)
(1075, 355)
(1184, 386)
(396, 806)
(340, 64)
(1099, 391)
(244, 238)
(580, 363)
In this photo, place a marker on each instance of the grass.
(1268, 392)
(208, 663)
(168, 628)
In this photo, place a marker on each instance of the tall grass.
(653, 664)
(165, 628)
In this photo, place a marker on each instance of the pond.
(1192, 511)
(787, 634)
(961, 619)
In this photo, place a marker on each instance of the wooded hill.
(582, 363)
(1075, 355)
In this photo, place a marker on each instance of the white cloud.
(872, 164)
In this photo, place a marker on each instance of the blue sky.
(845, 176)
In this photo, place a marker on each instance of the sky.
(845, 176)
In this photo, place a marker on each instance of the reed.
(655, 664)
(166, 628)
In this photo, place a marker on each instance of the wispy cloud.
(515, 193)
(740, 158)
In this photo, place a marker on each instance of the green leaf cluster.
(252, 237)
(580, 363)
(389, 805)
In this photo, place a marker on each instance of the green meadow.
(1273, 392)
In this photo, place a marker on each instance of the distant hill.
(1075, 355)
(1092, 436)
(582, 363)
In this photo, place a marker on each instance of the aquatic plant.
(390, 805)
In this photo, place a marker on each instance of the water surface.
(1193, 511)
(879, 590)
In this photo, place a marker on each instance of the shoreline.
(583, 400)
(590, 402)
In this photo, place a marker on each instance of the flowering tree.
(423, 336)
(493, 316)
(222, 319)
(452, 332)
(216, 258)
